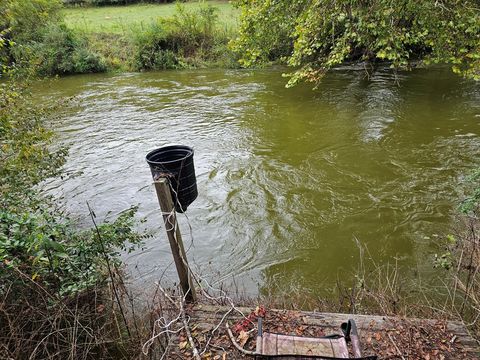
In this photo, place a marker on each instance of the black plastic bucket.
(176, 163)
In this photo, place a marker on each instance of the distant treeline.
(112, 2)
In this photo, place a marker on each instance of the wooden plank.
(208, 314)
(278, 344)
(269, 344)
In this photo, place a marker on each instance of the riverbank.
(48, 39)
(158, 36)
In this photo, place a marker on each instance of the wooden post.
(162, 187)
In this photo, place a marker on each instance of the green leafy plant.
(472, 202)
(312, 36)
(42, 41)
(186, 39)
(53, 253)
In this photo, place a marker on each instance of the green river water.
(287, 178)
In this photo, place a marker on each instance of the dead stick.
(396, 347)
(184, 321)
(187, 331)
(234, 342)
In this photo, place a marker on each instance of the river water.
(288, 179)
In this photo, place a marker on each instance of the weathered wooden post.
(175, 237)
(175, 183)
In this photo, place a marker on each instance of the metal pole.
(162, 187)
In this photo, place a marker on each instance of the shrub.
(153, 50)
(192, 31)
(26, 19)
(59, 52)
(43, 42)
(189, 37)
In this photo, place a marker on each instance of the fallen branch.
(184, 321)
(234, 342)
(187, 331)
(396, 347)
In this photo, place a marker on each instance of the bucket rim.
(188, 149)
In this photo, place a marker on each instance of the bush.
(43, 42)
(26, 19)
(153, 51)
(59, 52)
(186, 38)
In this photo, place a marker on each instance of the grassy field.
(121, 19)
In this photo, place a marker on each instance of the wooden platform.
(376, 332)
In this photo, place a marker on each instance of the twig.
(212, 333)
(184, 321)
(396, 347)
(187, 331)
(234, 342)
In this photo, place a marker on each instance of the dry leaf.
(182, 345)
(224, 356)
(242, 338)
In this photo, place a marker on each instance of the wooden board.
(206, 317)
(278, 344)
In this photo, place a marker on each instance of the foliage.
(472, 203)
(152, 50)
(316, 35)
(43, 42)
(26, 19)
(61, 52)
(192, 31)
(50, 251)
(174, 42)
(53, 277)
(25, 153)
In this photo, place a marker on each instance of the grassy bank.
(157, 36)
(127, 19)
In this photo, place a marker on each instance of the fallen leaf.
(182, 345)
(242, 338)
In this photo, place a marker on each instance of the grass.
(122, 19)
